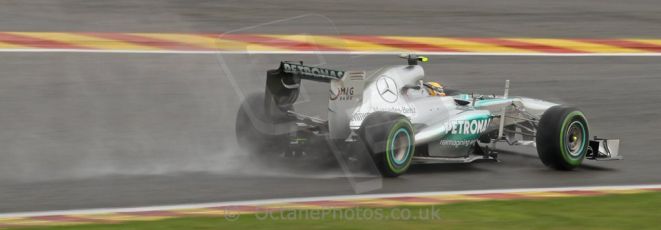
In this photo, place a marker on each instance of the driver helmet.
(434, 88)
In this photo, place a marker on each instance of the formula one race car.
(392, 118)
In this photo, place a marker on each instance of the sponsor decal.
(464, 132)
(467, 127)
(457, 142)
(342, 94)
(312, 71)
(387, 89)
(406, 110)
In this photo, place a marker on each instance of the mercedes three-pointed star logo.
(387, 89)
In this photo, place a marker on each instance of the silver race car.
(396, 119)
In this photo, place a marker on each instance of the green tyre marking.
(571, 160)
(398, 127)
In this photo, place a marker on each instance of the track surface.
(116, 130)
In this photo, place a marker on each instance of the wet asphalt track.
(116, 130)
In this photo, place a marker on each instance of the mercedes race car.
(391, 117)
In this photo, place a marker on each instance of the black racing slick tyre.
(562, 137)
(389, 138)
(256, 131)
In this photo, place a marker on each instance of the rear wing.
(283, 84)
(345, 90)
(310, 72)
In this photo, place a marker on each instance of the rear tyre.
(267, 138)
(562, 137)
(389, 138)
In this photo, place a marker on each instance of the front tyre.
(389, 137)
(562, 137)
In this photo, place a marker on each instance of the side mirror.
(461, 102)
